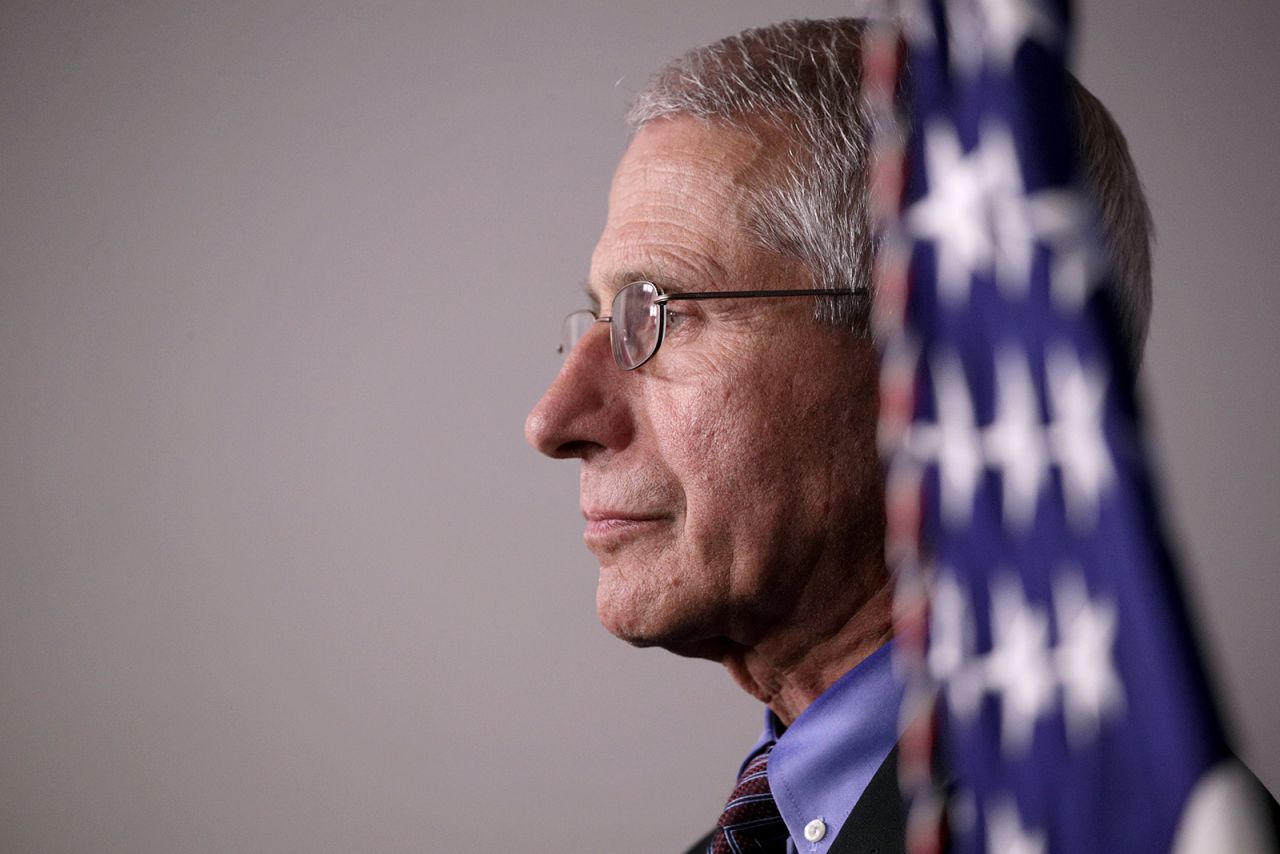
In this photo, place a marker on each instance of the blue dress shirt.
(823, 762)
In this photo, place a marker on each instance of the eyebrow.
(666, 281)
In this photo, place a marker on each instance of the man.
(730, 477)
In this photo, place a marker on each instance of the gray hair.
(803, 79)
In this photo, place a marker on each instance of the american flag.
(1056, 677)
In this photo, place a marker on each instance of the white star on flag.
(951, 646)
(992, 31)
(1008, 208)
(1092, 689)
(953, 441)
(1019, 666)
(1019, 220)
(1014, 441)
(1075, 272)
(1006, 24)
(1076, 439)
(1064, 219)
(1006, 835)
(953, 214)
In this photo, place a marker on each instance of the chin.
(629, 616)
(647, 617)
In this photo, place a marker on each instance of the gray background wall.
(278, 283)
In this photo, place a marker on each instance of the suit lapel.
(878, 822)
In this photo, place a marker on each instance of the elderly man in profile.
(721, 396)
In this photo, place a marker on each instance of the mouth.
(611, 528)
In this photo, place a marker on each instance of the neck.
(788, 670)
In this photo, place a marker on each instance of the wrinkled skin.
(731, 487)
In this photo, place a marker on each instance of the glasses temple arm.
(805, 292)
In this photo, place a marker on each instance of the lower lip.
(604, 531)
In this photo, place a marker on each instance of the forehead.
(676, 207)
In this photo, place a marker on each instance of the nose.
(585, 411)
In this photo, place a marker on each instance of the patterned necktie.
(750, 821)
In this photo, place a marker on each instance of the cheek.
(777, 437)
(752, 427)
(728, 440)
(694, 426)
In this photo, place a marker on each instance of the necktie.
(750, 821)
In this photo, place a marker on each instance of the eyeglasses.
(638, 318)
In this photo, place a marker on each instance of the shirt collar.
(823, 762)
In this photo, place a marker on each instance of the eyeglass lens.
(575, 326)
(634, 330)
(637, 321)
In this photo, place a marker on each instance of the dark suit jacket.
(878, 822)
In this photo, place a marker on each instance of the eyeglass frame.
(663, 298)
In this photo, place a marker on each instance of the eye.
(676, 320)
(684, 324)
